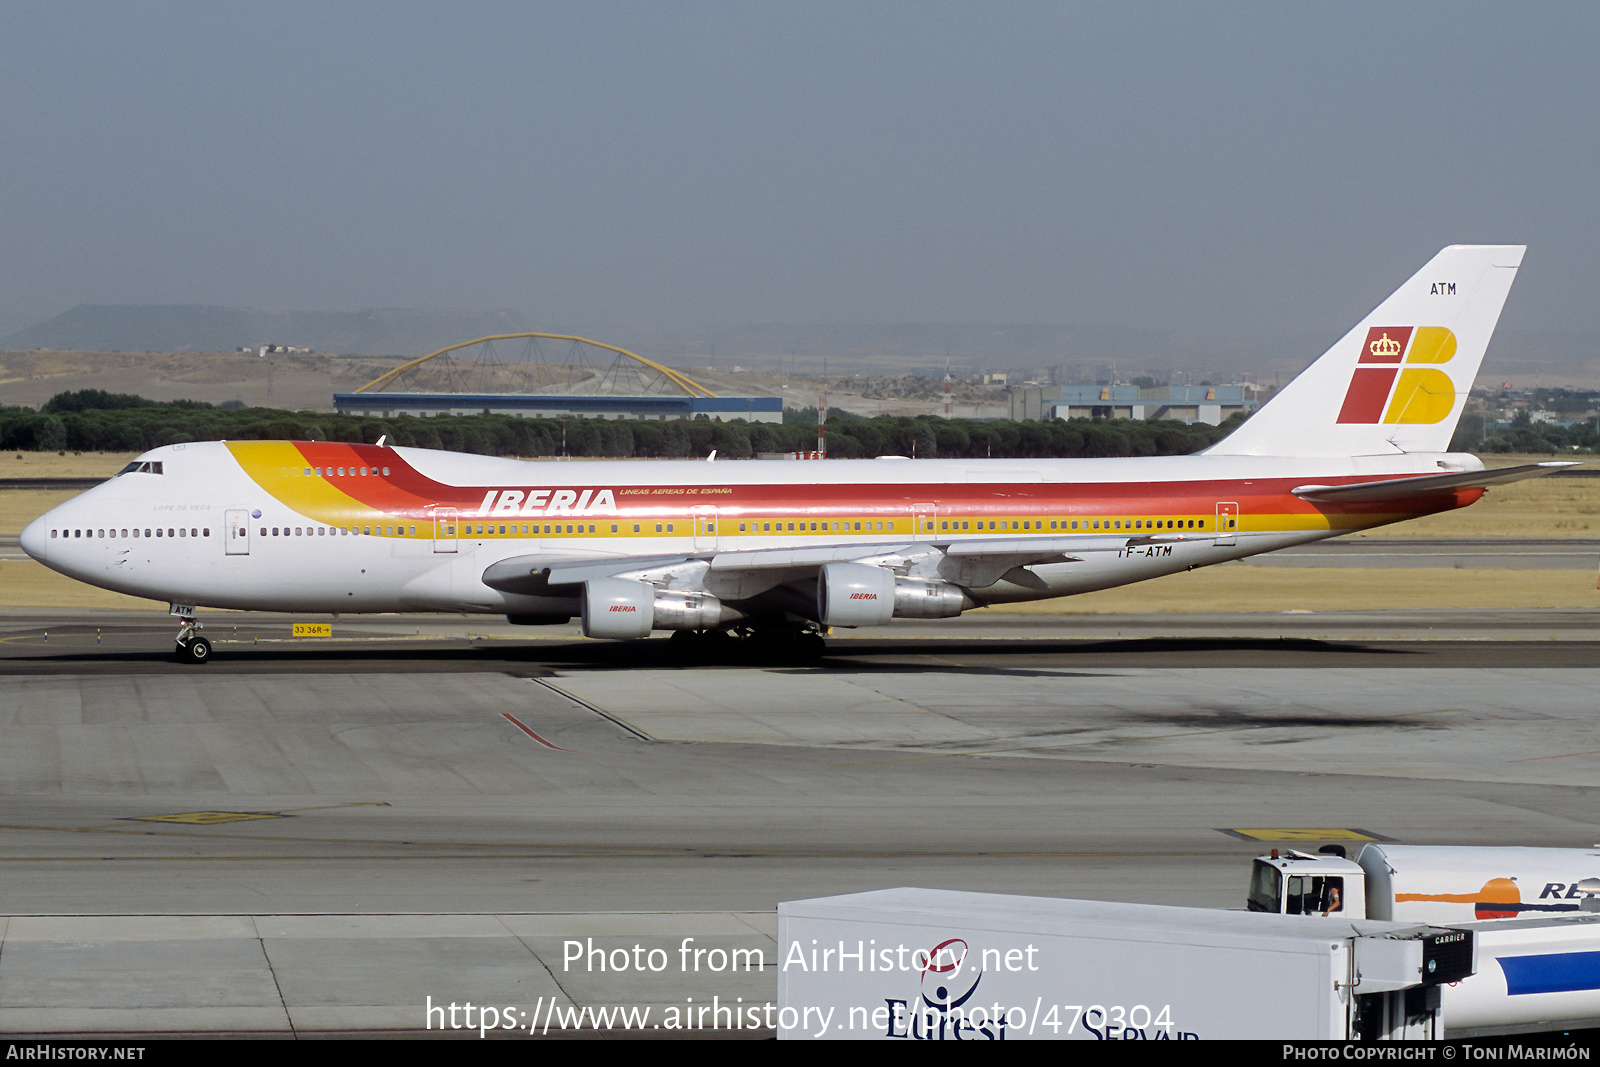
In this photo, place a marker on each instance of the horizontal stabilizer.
(1407, 488)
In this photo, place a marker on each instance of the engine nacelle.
(918, 598)
(623, 609)
(853, 594)
(686, 611)
(618, 608)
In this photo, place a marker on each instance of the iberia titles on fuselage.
(1356, 441)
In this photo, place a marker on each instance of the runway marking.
(1563, 755)
(211, 818)
(1302, 834)
(518, 724)
(208, 818)
(606, 715)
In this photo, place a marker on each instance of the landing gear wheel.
(810, 647)
(196, 650)
(685, 642)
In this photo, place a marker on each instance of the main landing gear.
(785, 643)
(192, 648)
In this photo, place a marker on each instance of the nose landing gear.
(192, 648)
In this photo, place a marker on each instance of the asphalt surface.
(315, 837)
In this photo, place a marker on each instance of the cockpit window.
(136, 467)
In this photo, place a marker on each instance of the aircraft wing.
(1406, 488)
(971, 563)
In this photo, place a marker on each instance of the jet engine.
(854, 594)
(624, 609)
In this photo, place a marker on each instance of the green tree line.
(92, 420)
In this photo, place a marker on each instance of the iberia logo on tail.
(1391, 382)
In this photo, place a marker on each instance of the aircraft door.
(705, 528)
(238, 543)
(1227, 522)
(444, 529)
(924, 521)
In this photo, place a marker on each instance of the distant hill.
(201, 328)
(1081, 352)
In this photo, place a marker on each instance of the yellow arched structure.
(688, 385)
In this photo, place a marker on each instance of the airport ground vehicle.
(924, 964)
(1445, 884)
(775, 551)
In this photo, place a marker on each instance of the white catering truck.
(1535, 913)
(1425, 883)
(926, 964)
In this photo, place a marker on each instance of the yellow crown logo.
(1383, 347)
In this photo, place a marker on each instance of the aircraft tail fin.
(1398, 381)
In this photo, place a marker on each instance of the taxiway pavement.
(317, 836)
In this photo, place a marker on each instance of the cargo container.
(925, 964)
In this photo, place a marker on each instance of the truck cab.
(1299, 883)
(1440, 884)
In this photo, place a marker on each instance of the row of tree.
(1524, 436)
(90, 420)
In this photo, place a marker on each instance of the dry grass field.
(1237, 587)
(26, 584)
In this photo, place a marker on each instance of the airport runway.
(333, 831)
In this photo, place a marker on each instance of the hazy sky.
(1216, 167)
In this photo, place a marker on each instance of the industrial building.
(1210, 404)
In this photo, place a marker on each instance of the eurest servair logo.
(1392, 381)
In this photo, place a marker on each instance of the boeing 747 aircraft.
(772, 552)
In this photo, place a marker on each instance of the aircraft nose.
(35, 538)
